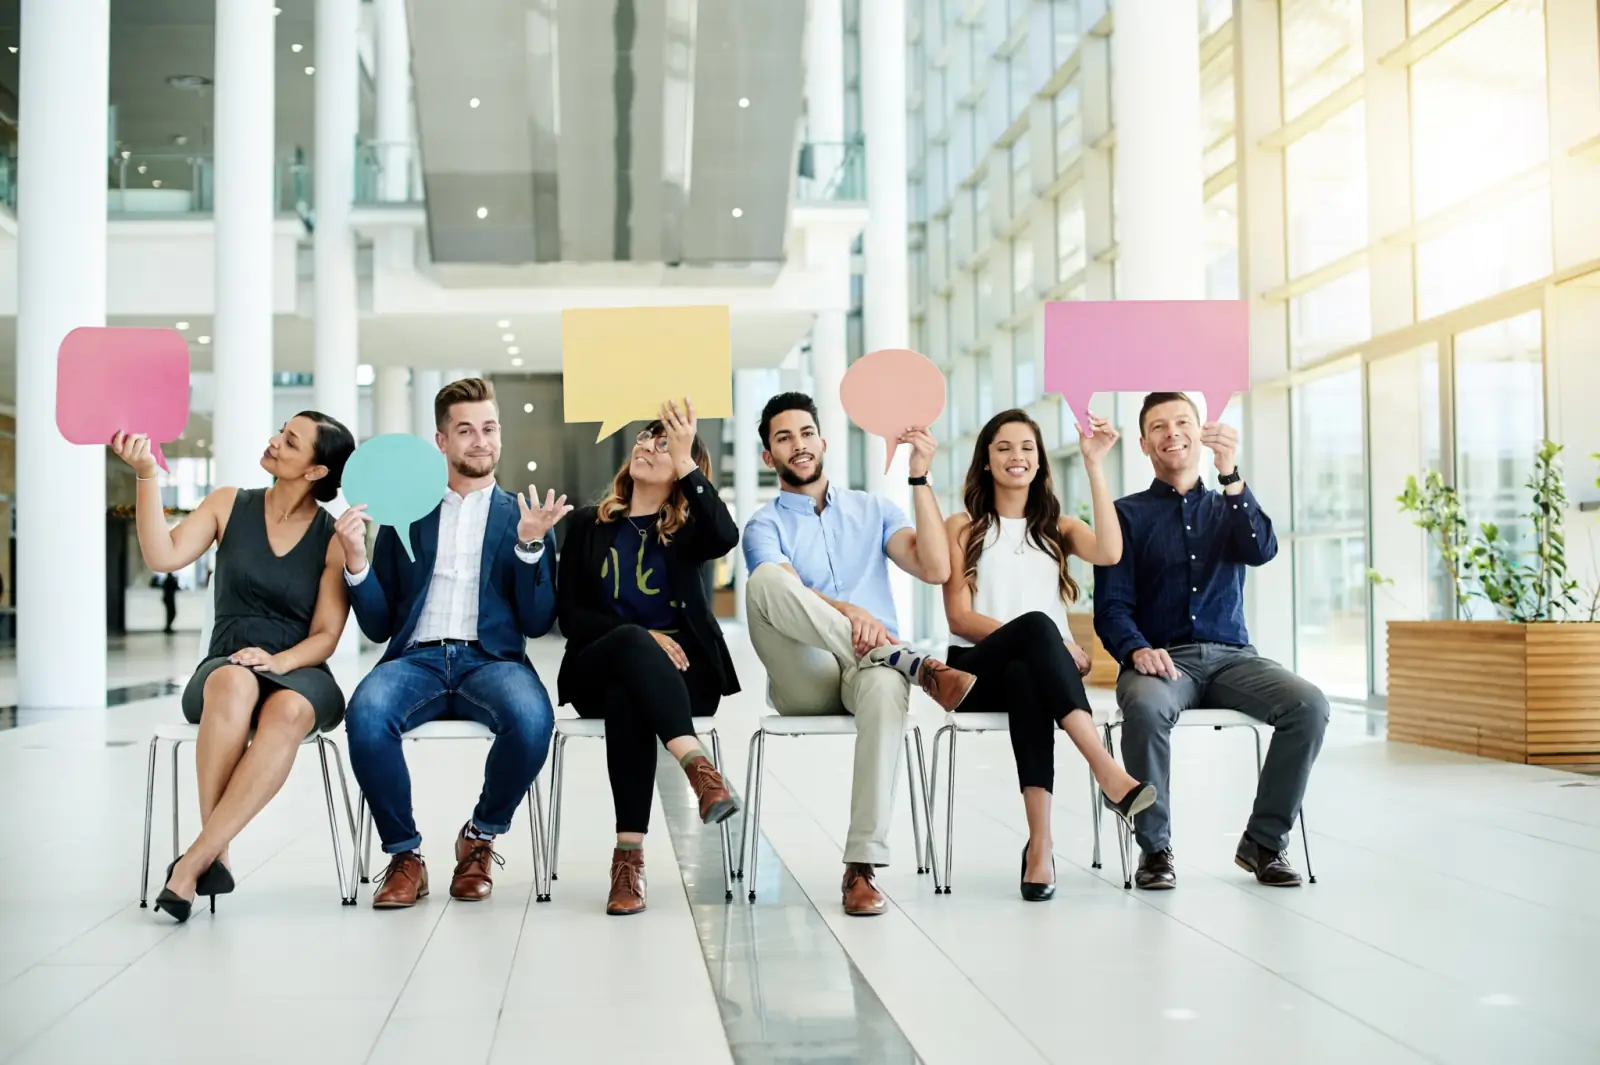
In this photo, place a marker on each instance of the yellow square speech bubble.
(619, 364)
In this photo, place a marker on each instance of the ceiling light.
(516, 362)
(738, 212)
(277, 11)
(508, 338)
(126, 154)
(533, 467)
(504, 323)
(191, 82)
(142, 168)
(199, 443)
(296, 47)
(13, 49)
(365, 374)
(474, 102)
(203, 340)
(513, 350)
(182, 326)
(483, 212)
(156, 184)
(527, 408)
(180, 140)
(744, 101)
(311, 70)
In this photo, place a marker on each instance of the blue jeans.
(452, 681)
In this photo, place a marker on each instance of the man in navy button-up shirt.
(1172, 614)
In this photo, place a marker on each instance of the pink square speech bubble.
(122, 380)
(1146, 346)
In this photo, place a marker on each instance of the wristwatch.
(1230, 478)
(530, 547)
(917, 482)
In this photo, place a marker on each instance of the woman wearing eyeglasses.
(644, 650)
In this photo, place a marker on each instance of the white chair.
(982, 721)
(1216, 720)
(453, 729)
(595, 728)
(822, 725)
(181, 732)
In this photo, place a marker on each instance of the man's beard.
(474, 467)
(794, 480)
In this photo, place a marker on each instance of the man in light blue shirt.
(822, 616)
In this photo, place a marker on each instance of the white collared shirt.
(450, 608)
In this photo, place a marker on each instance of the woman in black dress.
(644, 650)
(280, 608)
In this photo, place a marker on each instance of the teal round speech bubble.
(399, 478)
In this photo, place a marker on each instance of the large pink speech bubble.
(1146, 346)
(888, 391)
(122, 380)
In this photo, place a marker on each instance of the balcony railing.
(832, 170)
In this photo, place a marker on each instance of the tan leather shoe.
(402, 884)
(944, 685)
(861, 896)
(627, 883)
(717, 804)
(473, 880)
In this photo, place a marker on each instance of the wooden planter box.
(1519, 693)
(1103, 668)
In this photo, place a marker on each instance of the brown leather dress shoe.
(473, 880)
(944, 685)
(717, 804)
(861, 896)
(627, 883)
(1272, 868)
(402, 884)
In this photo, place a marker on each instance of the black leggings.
(1025, 671)
(626, 678)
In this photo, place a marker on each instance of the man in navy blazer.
(456, 621)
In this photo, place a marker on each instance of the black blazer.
(584, 610)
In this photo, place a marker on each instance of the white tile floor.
(1455, 919)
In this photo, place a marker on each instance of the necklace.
(283, 515)
(644, 533)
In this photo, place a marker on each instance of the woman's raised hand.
(134, 449)
(680, 427)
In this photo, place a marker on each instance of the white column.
(391, 400)
(886, 310)
(829, 359)
(61, 284)
(425, 384)
(244, 113)
(394, 100)
(825, 86)
(747, 403)
(333, 243)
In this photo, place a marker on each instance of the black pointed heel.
(1140, 798)
(215, 881)
(1036, 892)
(175, 907)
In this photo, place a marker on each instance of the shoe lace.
(706, 776)
(854, 872)
(396, 866)
(625, 878)
(482, 854)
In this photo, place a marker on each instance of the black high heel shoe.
(215, 881)
(1140, 798)
(1036, 892)
(173, 904)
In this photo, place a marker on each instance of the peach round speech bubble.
(888, 391)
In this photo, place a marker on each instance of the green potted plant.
(1525, 685)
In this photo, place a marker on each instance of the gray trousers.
(1220, 677)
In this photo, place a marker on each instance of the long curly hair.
(674, 513)
(1043, 511)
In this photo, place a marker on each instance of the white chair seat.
(984, 721)
(183, 732)
(810, 724)
(1220, 719)
(449, 730)
(594, 728)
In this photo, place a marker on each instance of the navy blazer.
(516, 599)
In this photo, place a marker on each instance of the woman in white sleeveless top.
(1007, 600)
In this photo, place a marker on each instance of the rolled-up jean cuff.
(412, 844)
(487, 829)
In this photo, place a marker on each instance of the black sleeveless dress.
(266, 601)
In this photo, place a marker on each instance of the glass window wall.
(1321, 50)
(1325, 178)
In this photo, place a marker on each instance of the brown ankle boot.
(717, 804)
(402, 884)
(627, 883)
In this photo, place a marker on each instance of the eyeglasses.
(649, 441)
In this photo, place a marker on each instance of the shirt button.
(1191, 617)
(1191, 558)
(1189, 528)
(1194, 589)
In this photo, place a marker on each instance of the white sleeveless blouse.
(1016, 577)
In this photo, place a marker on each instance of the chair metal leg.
(175, 747)
(149, 816)
(1305, 841)
(749, 796)
(1094, 818)
(363, 855)
(727, 843)
(541, 857)
(911, 789)
(350, 819)
(932, 857)
(754, 838)
(1124, 829)
(333, 819)
(950, 810)
(558, 780)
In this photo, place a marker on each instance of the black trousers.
(626, 678)
(1025, 671)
